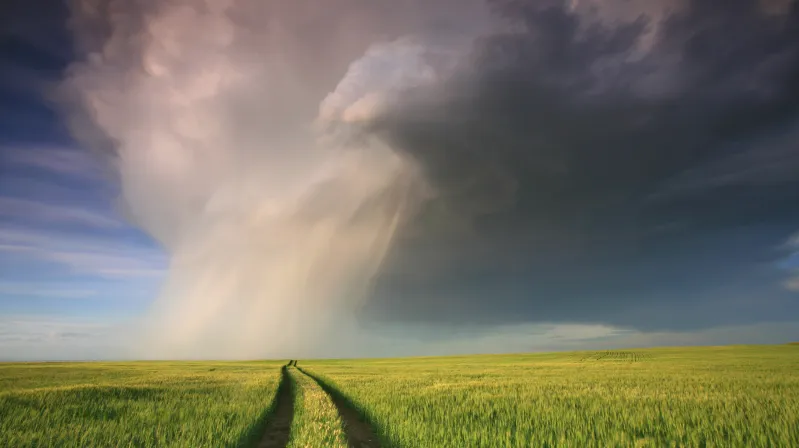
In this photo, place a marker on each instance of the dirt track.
(360, 433)
(278, 427)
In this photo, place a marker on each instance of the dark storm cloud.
(587, 174)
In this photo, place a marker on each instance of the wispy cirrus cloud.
(42, 212)
(86, 254)
(54, 186)
(55, 213)
(48, 290)
(54, 160)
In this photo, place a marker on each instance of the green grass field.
(745, 396)
(316, 421)
(146, 404)
(726, 396)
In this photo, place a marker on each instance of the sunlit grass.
(722, 396)
(316, 422)
(146, 404)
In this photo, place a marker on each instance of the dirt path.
(278, 427)
(360, 433)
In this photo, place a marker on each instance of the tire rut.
(278, 427)
(360, 434)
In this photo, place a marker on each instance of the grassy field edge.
(147, 404)
(743, 396)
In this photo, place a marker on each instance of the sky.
(284, 178)
(70, 266)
